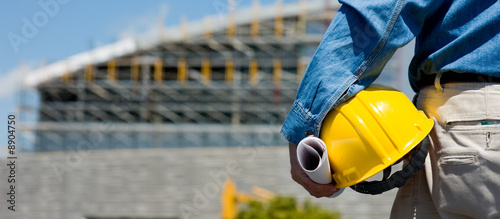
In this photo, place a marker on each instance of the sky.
(34, 32)
(77, 25)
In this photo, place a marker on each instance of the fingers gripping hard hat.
(370, 132)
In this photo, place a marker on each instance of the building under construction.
(226, 80)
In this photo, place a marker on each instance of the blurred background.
(142, 109)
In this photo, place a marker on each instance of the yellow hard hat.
(370, 132)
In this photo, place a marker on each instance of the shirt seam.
(383, 40)
(302, 113)
(282, 131)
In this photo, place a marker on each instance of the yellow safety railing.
(231, 27)
(254, 72)
(67, 77)
(182, 70)
(302, 23)
(88, 73)
(229, 70)
(277, 71)
(112, 70)
(278, 21)
(301, 69)
(134, 70)
(254, 26)
(158, 71)
(206, 71)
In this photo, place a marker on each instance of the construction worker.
(455, 72)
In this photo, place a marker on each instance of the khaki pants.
(461, 176)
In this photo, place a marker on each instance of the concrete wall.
(157, 183)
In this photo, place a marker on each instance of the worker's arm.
(356, 46)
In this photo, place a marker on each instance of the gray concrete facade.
(158, 183)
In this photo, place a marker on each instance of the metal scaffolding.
(227, 85)
(223, 85)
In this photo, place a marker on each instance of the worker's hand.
(299, 176)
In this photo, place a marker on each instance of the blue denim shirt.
(459, 36)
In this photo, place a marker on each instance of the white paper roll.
(313, 158)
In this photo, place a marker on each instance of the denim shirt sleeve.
(356, 46)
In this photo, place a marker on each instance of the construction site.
(216, 82)
(239, 77)
(139, 128)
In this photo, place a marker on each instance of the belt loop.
(415, 98)
(437, 82)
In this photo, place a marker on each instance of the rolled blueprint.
(313, 158)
